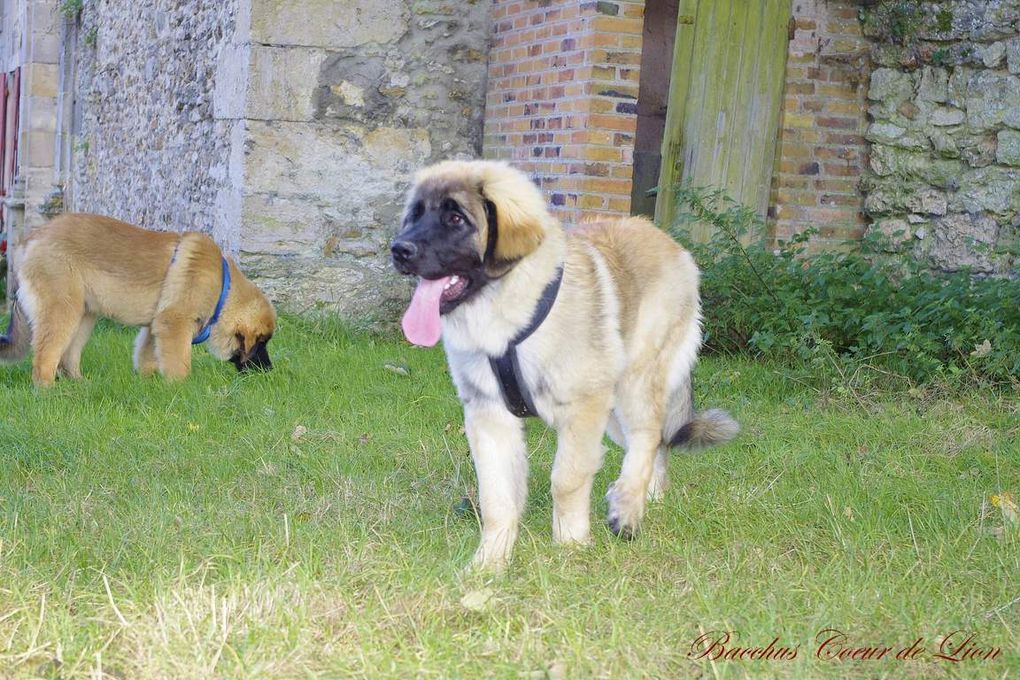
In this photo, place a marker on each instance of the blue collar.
(203, 334)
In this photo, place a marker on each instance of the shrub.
(861, 306)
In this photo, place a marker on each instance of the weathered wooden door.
(726, 94)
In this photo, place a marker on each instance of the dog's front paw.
(494, 551)
(487, 563)
(571, 529)
(625, 511)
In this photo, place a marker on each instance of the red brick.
(841, 169)
(840, 123)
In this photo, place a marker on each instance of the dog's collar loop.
(203, 334)
(507, 367)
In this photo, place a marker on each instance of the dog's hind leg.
(70, 362)
(628, 493)
(640, 412)
(660, 471)
(55, 321)
(578, 457)
(145, 353)
(501, 463)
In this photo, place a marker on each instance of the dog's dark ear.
(518, 210)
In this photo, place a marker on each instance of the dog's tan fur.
(80, 267)
(615, 354)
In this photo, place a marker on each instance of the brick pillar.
(562, 99)
(822, 150)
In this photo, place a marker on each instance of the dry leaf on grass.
(1006, 502)
(477, 600)
(982, 350)
(399, 369)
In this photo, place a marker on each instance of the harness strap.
(507, 367)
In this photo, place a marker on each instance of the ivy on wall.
(899, 22)
(908, 32)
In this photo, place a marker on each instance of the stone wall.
(562, 100)
(945, 161)
(148, 148)
(822, 150)
(30, 41)
(344, 101)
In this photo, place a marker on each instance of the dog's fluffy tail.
(17, 340)
(706, 428)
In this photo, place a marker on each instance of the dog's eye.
(417, 211)
(455, 219)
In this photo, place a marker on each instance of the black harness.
(506, 367)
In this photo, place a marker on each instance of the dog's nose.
(404, 251)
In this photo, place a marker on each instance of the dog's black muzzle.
(431, 248)
(405, 253)
(257, 359)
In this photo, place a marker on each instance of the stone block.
(293, 158)
(388, 149)
(992, 99)
(341, 163)
(281, 226)
(934, 85)
(881, 132)
(282, 82)
(992, 189)
(961, 241)
(1013, 55)
(886, 199)
(44, 80)
(328, 23)
(896, 230)
(956, 88)
(945, 145)
(1007, 150)
(909, 167)
(928, 202)
(993, 55)
(40, 148)
(978, 150)
(945, 116)
(42, 113)
(890, 85)
(46, 48)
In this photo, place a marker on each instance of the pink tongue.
(421, 320)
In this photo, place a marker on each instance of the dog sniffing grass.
(303, 522)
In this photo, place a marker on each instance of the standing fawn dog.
(594, 331)
(179, 288)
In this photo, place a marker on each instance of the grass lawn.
(303, 523)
